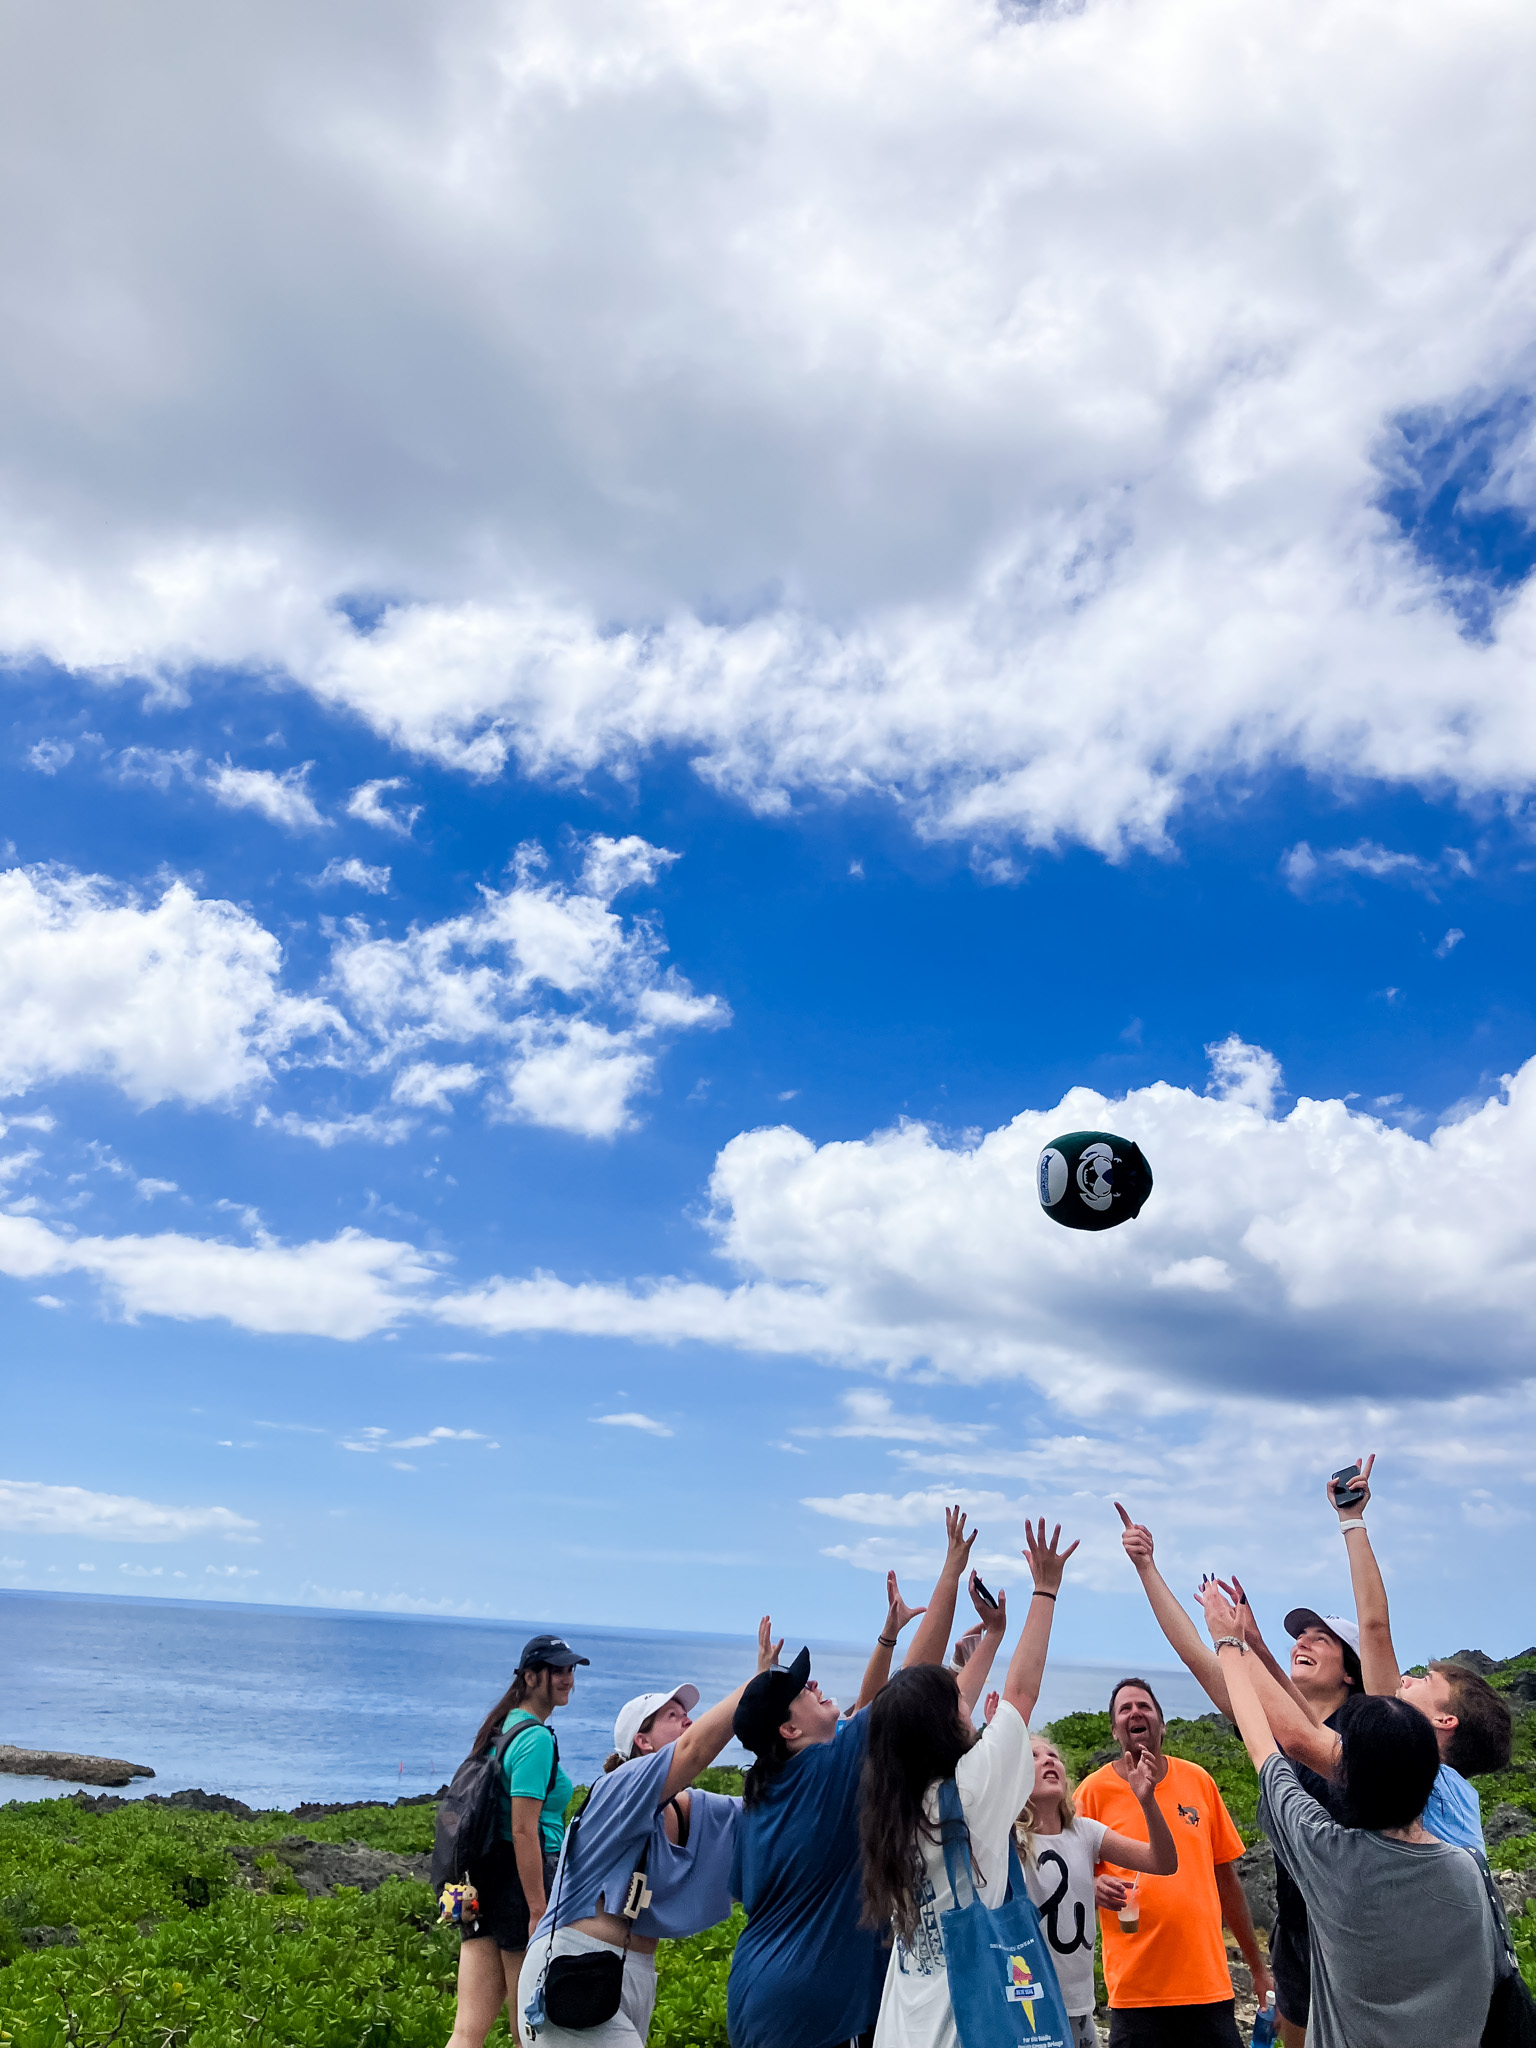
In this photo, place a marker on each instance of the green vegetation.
(190, 1930)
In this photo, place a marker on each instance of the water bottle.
(1265, 2031)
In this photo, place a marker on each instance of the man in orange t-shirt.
(1169, 1985)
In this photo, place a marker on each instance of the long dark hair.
(515, 1694)
(769, 1763)
(915, 1737)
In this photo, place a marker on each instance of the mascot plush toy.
(1092, 1180)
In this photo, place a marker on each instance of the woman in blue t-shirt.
(641, 1810)
(513, 1885)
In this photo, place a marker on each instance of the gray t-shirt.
(1403, 1942)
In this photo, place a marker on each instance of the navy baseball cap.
(552, 1652)
(767, 1699)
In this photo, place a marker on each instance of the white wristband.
(1345, 1527)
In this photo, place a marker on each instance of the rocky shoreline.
(68, 1765)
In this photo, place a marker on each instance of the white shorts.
(629, 2025)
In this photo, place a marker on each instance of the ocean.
(276, 1705)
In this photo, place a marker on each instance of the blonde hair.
(1024, 1826)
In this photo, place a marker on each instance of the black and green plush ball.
(1092, 1180)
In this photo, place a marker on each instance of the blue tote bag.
(1002, 1982)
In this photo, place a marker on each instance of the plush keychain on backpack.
(458, 1903)
(1092, 1180)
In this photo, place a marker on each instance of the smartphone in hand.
(981, 1592)
(1344, 1494)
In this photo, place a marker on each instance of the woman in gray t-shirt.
(1404, 1946)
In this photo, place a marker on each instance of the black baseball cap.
(766, 1701)
(554, 1653)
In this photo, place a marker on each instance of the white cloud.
(1323, 1250)
(1302, 867)
(633, 1420)
(367, 803)
(1244, 1073)
(282, 799)
(357, 872)
(49, 756)
(575, 994)
(31, 1508)
(425, 1085)
(148, 1189)
(1050, 410)
(1449, 943)
(172, 1000)
(326, 1131)
(867, 1413)
(439, 1435)
(348, 1286)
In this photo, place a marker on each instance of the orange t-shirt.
(1177, 1955)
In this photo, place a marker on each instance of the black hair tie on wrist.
(1041, 1594)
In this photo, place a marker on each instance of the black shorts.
(1175, 2026)
(503, 1914)
(1290, 1958)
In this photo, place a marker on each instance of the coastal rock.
(319, 1867)
(323, 1809)
(1476, 1660)
(66, 1764)
(50, 1937)
(1256, 1875)
(1505, 1822)
(1522, 1687)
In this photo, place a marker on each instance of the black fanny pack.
(583, 1991)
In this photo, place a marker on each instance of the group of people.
(857, 1827)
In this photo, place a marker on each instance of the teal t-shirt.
(525, 1769)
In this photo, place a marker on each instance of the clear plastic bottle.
(1265, 2029)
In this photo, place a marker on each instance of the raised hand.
(1221, 1616)
(1247, 1627)
(1135, 1538)
(767, 1649)
(1141, 1775)
(899, 1613)
(1361, 1478)
(994, 1620)
(1046, 1563)
(958, 1554)
(991, 1707)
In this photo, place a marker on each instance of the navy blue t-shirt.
(805, 1973)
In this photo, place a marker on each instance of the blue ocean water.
(276, 1705)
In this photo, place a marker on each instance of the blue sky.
(580, 795)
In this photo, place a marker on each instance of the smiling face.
(812, 1717)
(1136, 1723)
(1317, 1664)
(665, 1726)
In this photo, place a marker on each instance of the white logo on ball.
(1094, 1172)
(1053, 1177)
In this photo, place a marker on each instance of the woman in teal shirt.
(513, 1884)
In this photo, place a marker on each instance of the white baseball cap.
(1338, 1625)
(633, 1712)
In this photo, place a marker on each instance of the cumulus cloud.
(357, 872)
(569, 996)
(869, 1413)
(1130, 496)
(29, 1507)
(632, 1419)
(173, 1000)
(282, 799)
(348, 1286)
(1324, 1251)
(367, 802)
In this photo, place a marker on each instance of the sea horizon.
(276, 1705)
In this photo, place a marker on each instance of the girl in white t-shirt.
(1059, 1848)
(919, 1734)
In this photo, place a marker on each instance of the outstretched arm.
(1226, 1627)
(1189, 1646)
(698, 1745)
(878, 1669)
(1158, 1855)
(1291, 1721)
(1026, 1668)
(994, 1626)
(932, 1638)
(1276, 1671)
(1378, 1654)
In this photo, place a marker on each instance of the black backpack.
(468, 1814)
